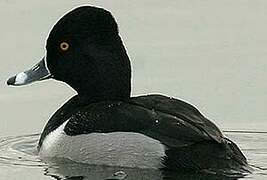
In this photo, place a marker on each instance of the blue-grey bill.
(36, 73)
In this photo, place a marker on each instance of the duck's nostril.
(11, 81)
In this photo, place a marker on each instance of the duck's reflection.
(67, 170)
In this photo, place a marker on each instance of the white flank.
(123, 149)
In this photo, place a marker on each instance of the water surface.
(19, 154)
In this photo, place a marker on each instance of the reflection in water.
(70, 170)
(21, 152)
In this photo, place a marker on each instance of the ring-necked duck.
(102, 124)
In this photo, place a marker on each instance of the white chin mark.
(20, 78)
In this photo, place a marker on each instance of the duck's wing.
(180, 116)
(172, 122)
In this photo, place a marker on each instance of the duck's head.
(84, 50)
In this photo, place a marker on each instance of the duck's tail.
(224, 158)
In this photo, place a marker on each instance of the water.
(210, 53)
(19, 154)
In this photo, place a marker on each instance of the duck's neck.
(107, 89)
(111, 77)
(86, 98)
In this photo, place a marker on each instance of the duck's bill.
(36, 73)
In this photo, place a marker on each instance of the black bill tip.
(11, 81)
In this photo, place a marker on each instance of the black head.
(84, 50)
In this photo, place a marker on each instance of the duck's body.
(103, 124)
(151, 131)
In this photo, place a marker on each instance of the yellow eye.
(64, 46)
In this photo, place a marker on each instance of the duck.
(103, 124)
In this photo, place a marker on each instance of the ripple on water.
(254, 146)
(21, 152)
